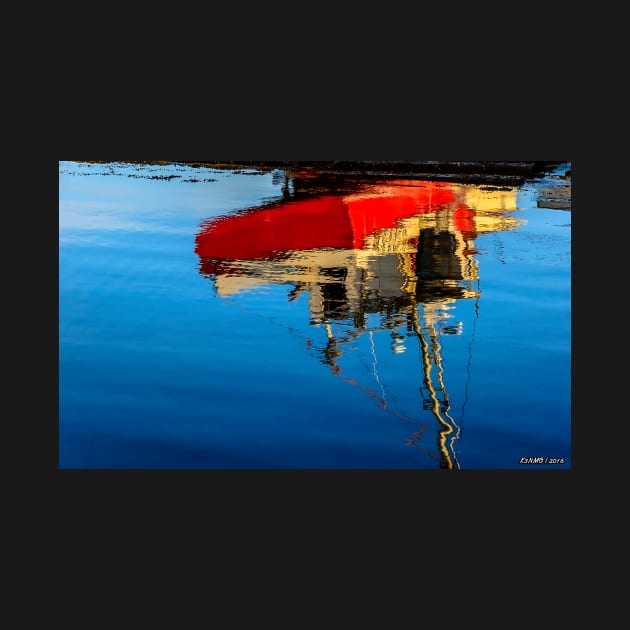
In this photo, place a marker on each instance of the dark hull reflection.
(403, 251)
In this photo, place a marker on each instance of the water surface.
(220, 319)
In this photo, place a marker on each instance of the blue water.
(164, 365)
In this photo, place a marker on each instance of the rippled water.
(226, 319)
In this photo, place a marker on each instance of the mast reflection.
(393, 257)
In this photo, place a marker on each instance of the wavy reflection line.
(440, 376)
(449, 460)
(374, 362)
(470, 345)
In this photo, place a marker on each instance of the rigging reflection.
(390, 257)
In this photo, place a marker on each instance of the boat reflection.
(391, 257)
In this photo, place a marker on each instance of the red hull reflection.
(329, 221)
